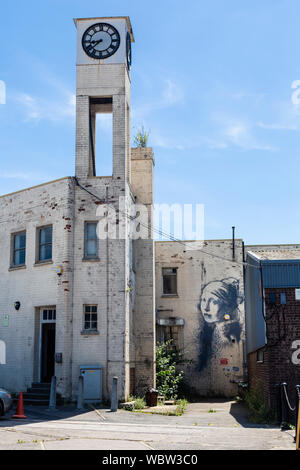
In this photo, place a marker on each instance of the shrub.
(181, 406)
(139, 404)
(259, 412)
(167, 377)
(141, 138)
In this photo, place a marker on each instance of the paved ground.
(211, 425)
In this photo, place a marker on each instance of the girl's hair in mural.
(219, 311)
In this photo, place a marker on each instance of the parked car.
(6, 401)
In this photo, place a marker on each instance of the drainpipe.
(233, 243)
(107, 301)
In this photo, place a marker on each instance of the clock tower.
(103, 86)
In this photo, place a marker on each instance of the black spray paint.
(219, 318)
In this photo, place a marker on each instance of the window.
(91, 240)
(173, 333)
(283, 298)
(297, 294)
(49, 315)
(45, 243)
(169, 281)
(19, 249)
(90, 317)
(260, 355)
(272, 298)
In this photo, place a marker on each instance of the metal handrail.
(287, 398)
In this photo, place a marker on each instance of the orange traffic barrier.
(20, 409)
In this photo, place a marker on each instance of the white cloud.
(171, 95)
(36, 108)
(23, 176)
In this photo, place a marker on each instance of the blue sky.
(212, 81)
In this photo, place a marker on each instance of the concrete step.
(40, 396)
(45, 386)
(43, 391)
(35, 402)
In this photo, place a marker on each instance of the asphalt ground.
(207, 425)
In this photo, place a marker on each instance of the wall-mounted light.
(59, 270)
(17, 305)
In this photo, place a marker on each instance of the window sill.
(93, 260)
(15, 268)
(42, 263)
(89, 332)
(172, 296)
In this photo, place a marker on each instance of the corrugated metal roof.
(284, 274)
(284, 254)
(281, 268)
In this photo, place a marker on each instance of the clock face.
(101, 41)
(128, 50)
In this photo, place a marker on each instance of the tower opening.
(101, 136)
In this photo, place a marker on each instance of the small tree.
(141, 138)
(167, 377)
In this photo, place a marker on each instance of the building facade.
(74, 294)
(272, 290)
(200, 306)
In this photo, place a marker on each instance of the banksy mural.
(220, 318)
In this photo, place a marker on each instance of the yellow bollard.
(298, 430)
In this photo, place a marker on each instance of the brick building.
(272, 303)
(200, 305)
(68, 298)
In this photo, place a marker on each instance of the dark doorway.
(48, 352)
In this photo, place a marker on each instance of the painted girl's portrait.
(219, 322)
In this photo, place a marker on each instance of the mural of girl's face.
(210, 303)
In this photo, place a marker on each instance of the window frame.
(14, 250)
(39, 245)
(175, 294)
(260, 357)
(90, 330)
(94, 256)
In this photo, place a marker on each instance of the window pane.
(45, 252)
(91, 230)
(20, 240)
(91, 240)
(170, 284)
(91, 248)
(46, 235)
(19, 257)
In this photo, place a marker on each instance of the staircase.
(39, 394)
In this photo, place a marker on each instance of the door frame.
(42, 321)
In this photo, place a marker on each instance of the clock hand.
(96, 42)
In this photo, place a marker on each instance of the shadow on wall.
(220, 323)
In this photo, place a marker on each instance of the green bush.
(139, 404)
(259, 412)
(181, 406)
(141, 138)
(167, 377)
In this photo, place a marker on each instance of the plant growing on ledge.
(141, 138)
(167, 377)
